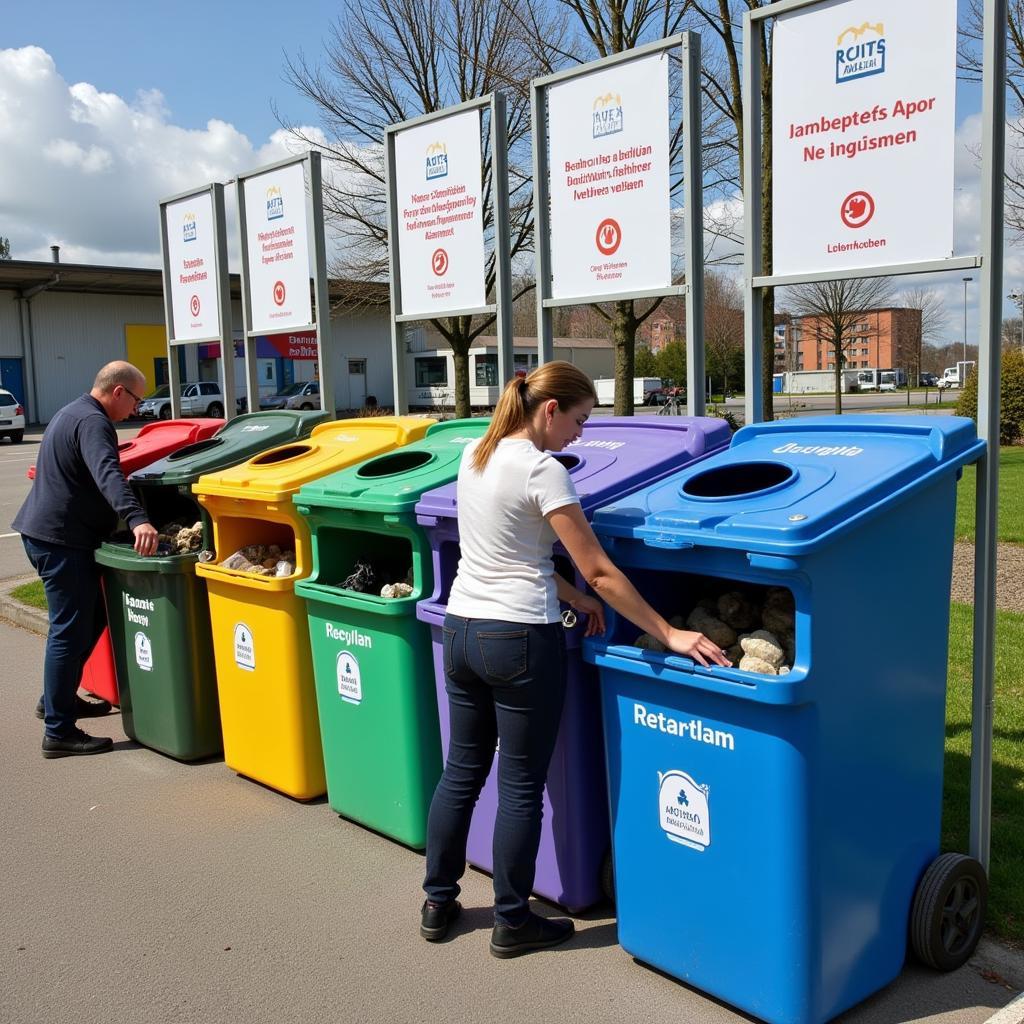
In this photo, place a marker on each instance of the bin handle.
(779, 562)
(668, 541)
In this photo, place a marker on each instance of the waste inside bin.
(159, 621)
(152, 442)
(615, 456)
(374, 684)
(771, 821)
(260, 636)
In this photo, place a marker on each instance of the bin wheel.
(608, 877)
(948, 913)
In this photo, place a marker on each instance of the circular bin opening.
(569, 461)
(281, 454)
(195, 449)
(400, 462)
(737, 479)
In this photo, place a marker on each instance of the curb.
(33, 619)
(1011, 1013)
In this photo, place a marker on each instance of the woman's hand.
(697, 646)
(594, 611)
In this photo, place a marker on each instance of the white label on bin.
(350, 686)
(143, 652)
(683, 810)
(245, 649)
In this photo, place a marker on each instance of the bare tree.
(386, 61)
(835, 310)
(722, 86)
(933, 321)
(970, 62)
(723, 327)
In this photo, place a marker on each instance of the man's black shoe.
(536, 933)
(435, 919)
(83, 708)
(75, 743)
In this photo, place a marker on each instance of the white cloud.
(86, 169)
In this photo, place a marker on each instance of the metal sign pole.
(227, 344)
(693, 216)
(322, 316)
(987, 482)
(173, 376)
(541, 221)
(502, 256)
(753, 317)
(252, 384)
(398, 381)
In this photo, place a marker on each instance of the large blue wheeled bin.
(770, 831)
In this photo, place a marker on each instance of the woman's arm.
(609, 583)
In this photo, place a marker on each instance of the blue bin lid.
(615, 455)
(785, 487)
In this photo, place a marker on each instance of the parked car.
(201, 398)
(12, 418)
(927, 380)
(300, 395)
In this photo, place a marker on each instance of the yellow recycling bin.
(260, 634)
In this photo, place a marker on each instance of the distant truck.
(644, 389)
(956, 376)
(881, 380)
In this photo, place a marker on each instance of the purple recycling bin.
(615, 456)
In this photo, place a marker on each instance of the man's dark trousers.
(71, 581)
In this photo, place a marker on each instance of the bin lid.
(393, 482)
(615, 455)
(239, 439)
(275, 475)
(155, 440)
(787, 487)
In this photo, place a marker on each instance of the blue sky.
(216, 59)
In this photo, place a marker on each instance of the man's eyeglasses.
(132, 393)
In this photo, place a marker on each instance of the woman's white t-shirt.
(506, 571)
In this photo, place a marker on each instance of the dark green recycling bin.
(157, 608)
(372, 665)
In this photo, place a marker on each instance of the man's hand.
(594, 611)
(145, 539)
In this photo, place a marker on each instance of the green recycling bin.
(371, 656)
(158, 610)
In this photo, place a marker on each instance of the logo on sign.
(860, 52)
(194, 304)
(683, 810)
(279, 293)
(857, 209)
(608, 236)
(245, 650)
(437, 161)
(439, 262)
(189, 227)
(350, 687)
(275, 203)
(143, 652)
(607, 115)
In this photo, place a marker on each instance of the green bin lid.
(393, 482)
(236, 441)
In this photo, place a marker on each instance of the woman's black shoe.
(75, 743)
(536, 933)
(83, 708)
(434, 920)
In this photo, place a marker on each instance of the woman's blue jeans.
(71, 582)
(506, 687)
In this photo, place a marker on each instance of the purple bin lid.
(615, 455)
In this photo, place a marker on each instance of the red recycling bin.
(152, 442)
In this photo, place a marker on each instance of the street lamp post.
(966, 279)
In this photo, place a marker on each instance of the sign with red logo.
(439, 262)
(190, 232)
(863, 134)
(609, 180)
(194, 305)
(279, 293)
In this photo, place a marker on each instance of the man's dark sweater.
(79, 491)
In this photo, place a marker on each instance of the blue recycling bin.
(770, 830)
(615, 456)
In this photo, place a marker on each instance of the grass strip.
(1011, 498)
(30, 594)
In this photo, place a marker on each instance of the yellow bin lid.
(274, 475)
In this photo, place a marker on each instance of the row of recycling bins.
(768, 832)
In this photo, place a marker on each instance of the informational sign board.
(609, 180)
(278, 250)
(863, 121)
(440, 215)
(191, 237)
